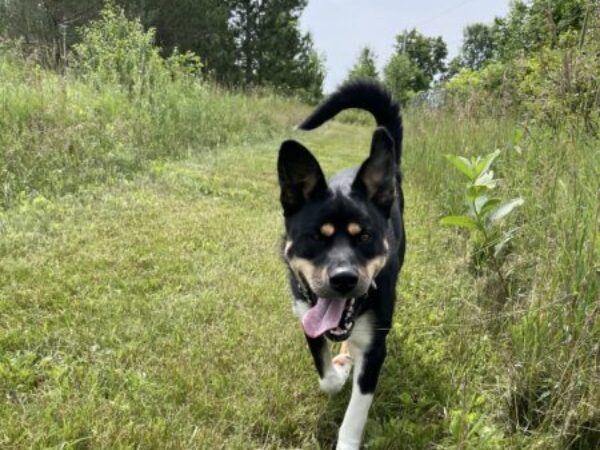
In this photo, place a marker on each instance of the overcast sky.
(340, 28)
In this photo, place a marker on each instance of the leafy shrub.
(117, 50)
(480, 91)
(556, 85)
(560, 84)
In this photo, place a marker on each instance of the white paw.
(332, 382)
(343, 363)
(334, 379)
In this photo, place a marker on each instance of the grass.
(59, 133)
(156, 313)
(144, 304)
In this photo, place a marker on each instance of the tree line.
(254, 43)
(245, 43)
(529, 28)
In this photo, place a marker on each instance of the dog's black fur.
(325, 259)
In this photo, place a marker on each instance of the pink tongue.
(324, 316)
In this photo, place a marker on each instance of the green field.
(144, 304)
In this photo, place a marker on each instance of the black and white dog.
(344, 245)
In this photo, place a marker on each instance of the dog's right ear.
(376, 176)
(300, 176)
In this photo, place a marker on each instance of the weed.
(484, 212)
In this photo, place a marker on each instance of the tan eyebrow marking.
(354, 229)
(327, 230)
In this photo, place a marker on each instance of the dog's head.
(336, 235)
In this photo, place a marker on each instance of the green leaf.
(489, 205)
(486, 162)
(460, 221)
(462, 164)
(474, 192)
(504, 209)
(479, 203)
(486, 179)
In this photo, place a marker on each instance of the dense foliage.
(245, 43)
(478, 46)
(542, 61)
(417, 61)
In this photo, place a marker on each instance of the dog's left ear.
(300, 176)
(376, 176)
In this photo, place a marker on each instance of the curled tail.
(363, 94)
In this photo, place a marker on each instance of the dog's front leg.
(366, 373)
(332, 374)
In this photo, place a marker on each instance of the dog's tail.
(363, 94)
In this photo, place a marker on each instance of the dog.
(344, 245)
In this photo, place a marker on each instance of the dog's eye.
(364, 237)
(317, 237)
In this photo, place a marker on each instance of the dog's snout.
(343, 279)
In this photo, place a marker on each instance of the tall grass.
(548, 329)
(59, 132)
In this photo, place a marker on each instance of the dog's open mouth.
(332, 317)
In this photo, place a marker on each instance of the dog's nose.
(343, 279)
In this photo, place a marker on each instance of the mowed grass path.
(155, 313)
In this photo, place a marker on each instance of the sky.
(340, 28)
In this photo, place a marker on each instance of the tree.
(478, 45)
(416, 63)
(365, 65)
(529, 26)
(454, 67)
(200, 26)
(47, 28)
(428, 53)
(403, 78)
(240, 42)
(309, 81)
(270, 48)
